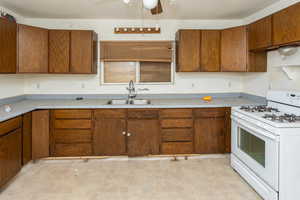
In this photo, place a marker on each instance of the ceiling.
(116, 9)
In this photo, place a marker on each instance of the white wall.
(85, 84)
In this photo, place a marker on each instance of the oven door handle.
(254, 128)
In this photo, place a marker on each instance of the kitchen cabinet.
(83, 52)
(40, 134)
(27, 138)
(260, 34)
(8, 47)
(32, 49)
(234, 49)
(210, 51)
(59, 51)
(188, 45)
(143, 132)
(110, 132)
(71, 133)
(286, 26)
(210, 130)
(10, 149)
(176, 131)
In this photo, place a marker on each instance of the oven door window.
(252, 146)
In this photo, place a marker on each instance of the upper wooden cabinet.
(8, 46)
(234, 49)
(286, 25)
(260, 34)
(154, 51)
(72, 52)
(32, 49)
(188, 45)
(210, 50)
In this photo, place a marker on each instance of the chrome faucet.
(131, 89)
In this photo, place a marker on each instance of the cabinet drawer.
(73, 114)
(10, 125)
(209, 112)
(143, 114)
(110, 114)
(73, 149)
(177, 148)
(176, 113)
(73, 124)
(72, 136)
(177, 123)
(177, 135)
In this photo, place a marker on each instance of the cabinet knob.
(124, 133)
(128, 134)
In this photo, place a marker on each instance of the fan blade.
(158, 9)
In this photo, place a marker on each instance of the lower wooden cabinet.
(27, 138)
(10, 149)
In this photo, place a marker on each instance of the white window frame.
(138, 78)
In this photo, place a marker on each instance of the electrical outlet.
(229, 84)
(38, 86)
(82, 85)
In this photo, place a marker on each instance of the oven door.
(258, 149)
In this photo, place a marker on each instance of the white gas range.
(266, 145)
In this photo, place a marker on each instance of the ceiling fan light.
(150, 4)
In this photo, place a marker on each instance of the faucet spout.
(131, 90)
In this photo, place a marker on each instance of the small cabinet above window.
(152, 51)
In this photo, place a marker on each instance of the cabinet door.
(109, 138)
(8, 47)
(143, 138)
(10, 155)
(33, 49)
(210, 50)
(188, 44)
(286, 25)
(210, 135)
(234, 49)
(260, 34)
(40, 134)
(27, 138)
(81, 52)
(59, 51)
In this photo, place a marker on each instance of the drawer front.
(177, 148)
(143, 114)
(176, 113)
(110, 114)
(73, 150)
(209, 112)
(73, 114)
(10, 125)
(73, 124)
(177, 123)
(72, 136)
(177, 135)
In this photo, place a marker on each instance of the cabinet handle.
(124, 133)
(128, 134)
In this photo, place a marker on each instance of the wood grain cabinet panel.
(175, 113)
(80, 149)
(40, 134)
(33, 49)
(210, 50)
(27, 138)
(286, 25)
(260, 34)
(59, 51)
(176, 123)
(10, 125)
(72, 114)
(234, 49)
(73, 124)
(66, 136)
(177, 135)
(8, 47)
(177, 148)
(144, 137)
(82, 47)
(10, 155)
(188, 43)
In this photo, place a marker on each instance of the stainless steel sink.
(140, 102)
(118, 102)
(132, 102)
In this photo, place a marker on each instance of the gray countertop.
(23, 106)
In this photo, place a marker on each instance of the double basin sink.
(129, 101)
